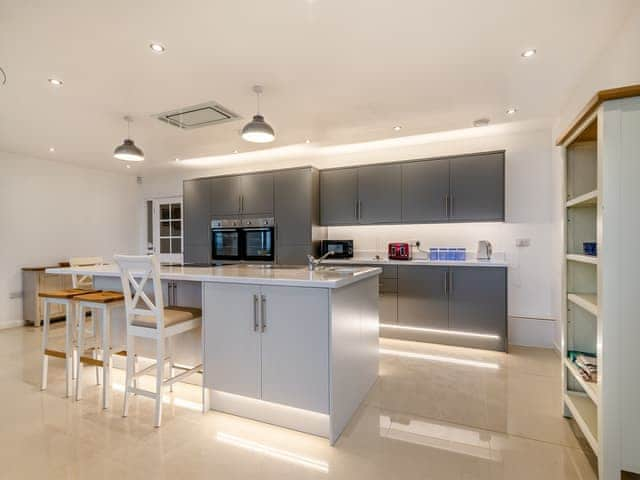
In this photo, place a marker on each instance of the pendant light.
(128, 151)
(257, 130)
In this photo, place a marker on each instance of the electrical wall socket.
(523, 242)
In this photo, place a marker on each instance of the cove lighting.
(446, 332)
(273, 452)
(438, 358)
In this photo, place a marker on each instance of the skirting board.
(12, 324)
(532, 332)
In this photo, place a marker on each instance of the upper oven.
(258, 239)
(226, 239)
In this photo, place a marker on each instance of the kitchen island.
(283, 345)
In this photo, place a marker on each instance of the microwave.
(340, 248)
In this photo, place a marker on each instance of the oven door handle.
(258, 229)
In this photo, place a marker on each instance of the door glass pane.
(176, 228)
(176, 245)
(165, 245)
(164, 229)
(176, 211)
(164, 211)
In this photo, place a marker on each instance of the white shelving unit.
(600, 297)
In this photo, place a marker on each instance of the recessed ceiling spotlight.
(512, 111)
(397, 128)
(157, 47)
(529, 53)
(481, 122)
(128, 166)
(235, 151)
(52, 149)
(177, 160)
(307, 140)
(56, 82)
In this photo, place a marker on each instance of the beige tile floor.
(486, 416)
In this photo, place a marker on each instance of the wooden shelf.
(592, 389)
(577, 257)
(585, 200)
(585, 413)
(588, 301)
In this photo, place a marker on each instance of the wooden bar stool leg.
(45, 343)
(106, 356)
(130, 373)
(159, 381)
(79, 367)
(171, 350)
(68, 347)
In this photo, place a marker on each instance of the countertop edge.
(420, 263)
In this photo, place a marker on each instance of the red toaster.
(399, 251)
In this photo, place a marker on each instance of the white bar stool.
(103, 302)
(146, 319)
(65, 298)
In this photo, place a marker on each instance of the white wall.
(50, 211)
(529, 208)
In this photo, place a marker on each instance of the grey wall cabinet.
(256, 194)
(226, 196)
(425, 191)
(380, 194)
(468, 188)
(339, 196)
(477, 188)
(197, 218)
(423, 299)
(247, 195)
(478, 301)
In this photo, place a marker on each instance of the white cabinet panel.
(295, 353)
(232, 346)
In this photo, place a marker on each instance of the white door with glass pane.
(167, 229)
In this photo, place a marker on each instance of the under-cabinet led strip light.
(446, 332)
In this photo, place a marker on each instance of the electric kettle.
(484, 250)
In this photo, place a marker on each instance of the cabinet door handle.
(355, 209)
(446, 282)
(452, 205)
(263, 312)
(239, 203)
(447, 205)
(450, 282)
(255, 313)
(359, 209)
(242, 204)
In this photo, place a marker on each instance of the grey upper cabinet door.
(257, 194)
(339, 196)
(380, 194)
(422, 297)
(197, 218)
(478, 300)
(477, 188)
(293, 205)
(225, 196)
(425, 191)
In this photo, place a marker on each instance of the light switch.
(523, 242)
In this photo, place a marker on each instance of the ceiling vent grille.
(210, 113)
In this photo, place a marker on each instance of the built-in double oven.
(243, 240)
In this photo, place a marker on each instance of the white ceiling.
(334, 71)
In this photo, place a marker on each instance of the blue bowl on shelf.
(590, 248)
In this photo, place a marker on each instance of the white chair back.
(135, 272)
(83, 281)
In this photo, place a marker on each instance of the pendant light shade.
(128, 151)
(257, 130)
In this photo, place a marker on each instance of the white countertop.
(472, 262)
(245, 274)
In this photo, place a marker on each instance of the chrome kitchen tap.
(313, 262)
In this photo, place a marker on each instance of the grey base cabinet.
(437, 300)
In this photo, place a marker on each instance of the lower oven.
(226, 240)
(258, 239)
